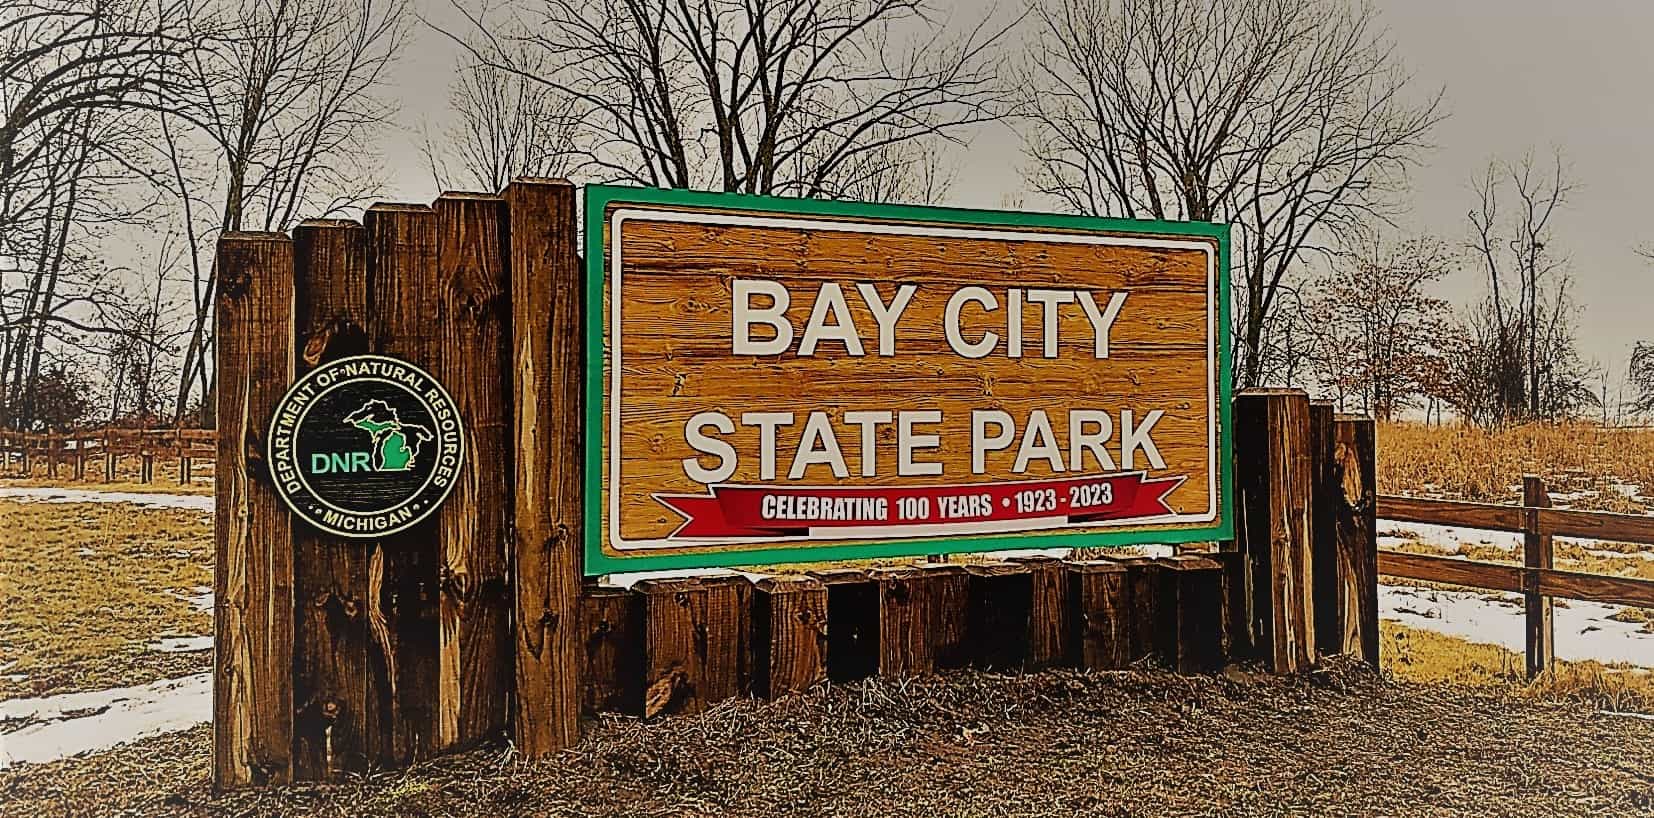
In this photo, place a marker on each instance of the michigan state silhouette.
(395, 444)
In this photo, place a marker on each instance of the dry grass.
(90, 585)
(1119, 745)
(1592, 466)
(1425, 657)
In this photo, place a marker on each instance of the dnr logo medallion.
(365, 446)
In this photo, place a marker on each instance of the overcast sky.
(1519, 75)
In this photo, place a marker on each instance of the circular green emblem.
(365, 446)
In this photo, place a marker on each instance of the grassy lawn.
(89, 586)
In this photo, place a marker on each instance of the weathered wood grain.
(252, 535)
(1470, 573)
(950, 589)
(611, 659)
(1098, 597)
(1485, 516)
(331, 654)
(1356, 509)
(548, 323)
(1275, 506)
(906, 637)
(674, 645)
(1048, 638)
(404, 569)
(1325, 499)
(728, 634)
(790, 635)
(674, 358)
(1536, 554)
(473, 526)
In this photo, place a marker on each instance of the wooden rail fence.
(1537, 578)
(23, 453)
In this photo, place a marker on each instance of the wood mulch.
(1338, 742)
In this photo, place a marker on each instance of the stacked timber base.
(678, 645)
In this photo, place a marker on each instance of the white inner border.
(617, 221)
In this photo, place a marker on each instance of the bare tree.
(1378, 329)
(1526, 324)
(793, 97)
(63, 64)
(504, 125)
(285, 95)
(1291, 119)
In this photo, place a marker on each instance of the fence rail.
(22, 453)
(1537, 578)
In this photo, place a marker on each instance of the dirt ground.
(1340, 742)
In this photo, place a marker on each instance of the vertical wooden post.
(1324, 496)
(80, 458)
(611, 670)
(1355, 499)
(1275, 513)
(1196, 613)
(1097, 596)
(950, 596)
(1536, 553)
(403, 569)
(473, 318)
(183, 456)
(109, 458)
(1048, 638)
(726, 638)
(53, 443)
(331, 692)
(253, 572)
(548, 324)
(674, 663)
(905, 636)
(852, 623)
(790, 639)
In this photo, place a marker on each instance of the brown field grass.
(1604, 467)
(88, 586)
(1426, 657)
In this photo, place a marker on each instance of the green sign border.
(598, 199)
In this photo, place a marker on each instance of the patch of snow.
(86, 552)
(1603, 552)
(37, 494)
(181, 644)
(69, 724)
(1447, 537)
(1583, 629)
(199, 598)
(1630, 491)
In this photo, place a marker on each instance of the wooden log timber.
(332, 686)
(253, 575)
(1099, 603)
(790, 635)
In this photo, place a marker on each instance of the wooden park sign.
(775, 380)
(435, 425)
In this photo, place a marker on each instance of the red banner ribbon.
(743, 511)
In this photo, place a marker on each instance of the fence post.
(1536, 554)
(548, 324)
(1274, 507)
(1355, 498)
(253, 574)
(109, 458)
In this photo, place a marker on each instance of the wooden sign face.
(774, 380)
